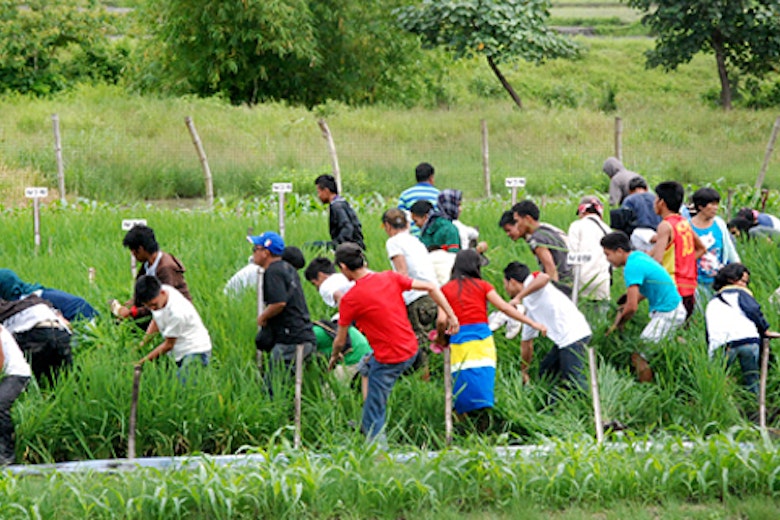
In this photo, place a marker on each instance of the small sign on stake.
(129, 224)
(579, 258)
(36, 193)
(281, 188)
(514, 183)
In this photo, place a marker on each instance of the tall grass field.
(226, 410)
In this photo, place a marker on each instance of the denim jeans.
(567, 363)
(10, 388)
(191, 362)
(381, 379)
(748, 360)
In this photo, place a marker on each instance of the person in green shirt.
(354, 359)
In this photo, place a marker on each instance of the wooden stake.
(133, 412)
(91, 275)
(55, 122)
(769, 148)
(594, 390)
(485, 158)
(764, 198)
(334, 159)
(762, 385)
(447, 396)
(729, 203)
(619, 138)
(298, 392)
(203, 160)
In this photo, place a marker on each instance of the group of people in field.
(433, 296)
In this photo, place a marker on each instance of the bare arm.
(662, 238)
(536, 284)
(627, 311)
(164, 347)
(436, 295)
(269, 312)
(511, 311)
(338, 345)
(399, 265)
(546, 260)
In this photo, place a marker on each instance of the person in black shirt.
(343, 223)
(285, 321)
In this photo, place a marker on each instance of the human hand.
(452, 325)
(542, 329)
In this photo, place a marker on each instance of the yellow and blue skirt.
(473, 367)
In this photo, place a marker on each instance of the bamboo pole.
(133, 412)
(55, 123)
(762, 385)
(447, 396)
(594, 390)
(729, 204)
(298, 392)
(334, 159)
(204, 162)
(619, 138)
(769, 148)
(485, 158)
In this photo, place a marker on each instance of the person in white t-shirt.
(585, 236)
(246, 277)
(409, 256)
(331, 285)
(566, 325)
(16, 375)
(175, 317)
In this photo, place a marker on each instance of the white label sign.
(282, 187)
(34, 193)
(514, 182)
(579, 258)
(129, 224)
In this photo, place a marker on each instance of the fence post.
(334, 159)
(55, 123)
(204, 162)
(619, 138)
(485, 158)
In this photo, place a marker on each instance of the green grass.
(86, 416)
(119, 147)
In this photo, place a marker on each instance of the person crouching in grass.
(735, 322)
(16, 375)
(176, 319)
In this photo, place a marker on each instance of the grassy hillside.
(120, 147)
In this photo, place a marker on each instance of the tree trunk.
(725, 85)
(504, 82)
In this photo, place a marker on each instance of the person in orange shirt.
(677, 247)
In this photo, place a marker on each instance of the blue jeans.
(189, 361)
(567, 363)
(748, 360)
(381, 379)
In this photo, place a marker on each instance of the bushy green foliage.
(742, 34)
(40, 39)
(301, 52)
(502, 31)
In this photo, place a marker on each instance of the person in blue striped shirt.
(423, 190)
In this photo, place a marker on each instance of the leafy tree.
(744, 36)
(500, 30)
(248, 51)
(302, 51)
(40, 36)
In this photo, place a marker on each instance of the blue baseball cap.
(270, 241)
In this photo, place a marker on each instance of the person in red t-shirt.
(677, 247)
(473, 349)
(376, 305)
